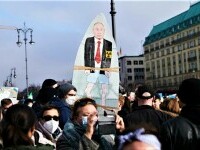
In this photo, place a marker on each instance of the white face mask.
(71, 100)
(51, 125)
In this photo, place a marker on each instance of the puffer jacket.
(182, 132)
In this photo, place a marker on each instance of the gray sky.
(59, 26)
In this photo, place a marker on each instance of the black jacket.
(182, 132)
(89, 54)
(147, 117)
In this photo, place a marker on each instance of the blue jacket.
(64, 108)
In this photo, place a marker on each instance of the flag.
(30, 96)
(119, 53)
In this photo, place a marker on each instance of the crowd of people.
(57, 119)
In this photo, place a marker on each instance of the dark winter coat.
(182, 132)
(73, 138)
(144, 116)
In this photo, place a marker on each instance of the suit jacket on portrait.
(89, 54)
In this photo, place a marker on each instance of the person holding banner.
(97, 60)
(80, 133)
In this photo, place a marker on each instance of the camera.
(106, 123)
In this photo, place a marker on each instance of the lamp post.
(12, 75)
(113, 12)
(25, 30)
(8, 81)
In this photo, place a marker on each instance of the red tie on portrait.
(98, 55)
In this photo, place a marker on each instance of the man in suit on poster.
(97, 57)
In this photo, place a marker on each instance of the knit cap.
(64, 89)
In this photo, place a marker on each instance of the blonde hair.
(173, 106)
(121, 100)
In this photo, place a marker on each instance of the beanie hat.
(144, 92)
(48, 83)
(189, 91)
(64, 89)
(139, 135)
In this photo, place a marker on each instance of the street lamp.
(12, 75)
(113, 12)
(25, 30)
(8, 81)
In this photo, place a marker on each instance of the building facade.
(172, 50)
(131, 71)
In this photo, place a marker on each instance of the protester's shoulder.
(36, 105)
(69, 131)
(44, 147)
(141, 110)
(178, 125)
(62, 139)
(64, 143)
(56, 101)
(134, 113)
(40, 147)
(169, 113)
(179, 120)
(165, 114)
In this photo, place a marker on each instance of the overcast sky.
(59, 26)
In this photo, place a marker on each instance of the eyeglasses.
(47, 118)
(71, 94)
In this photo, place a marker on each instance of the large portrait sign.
(96, 69)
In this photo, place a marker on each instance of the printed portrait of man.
(97, 61)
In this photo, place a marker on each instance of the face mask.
(51, 125)
(71, 100)
(85, 122)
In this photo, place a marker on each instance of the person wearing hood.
(49, 83)
(66, 98)
(67, 92)
(48, 91)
